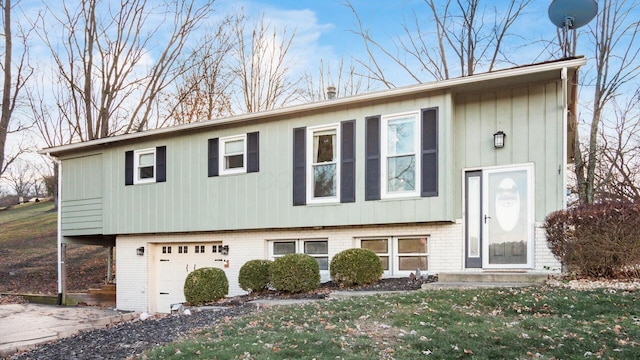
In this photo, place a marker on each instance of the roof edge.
(575, 62)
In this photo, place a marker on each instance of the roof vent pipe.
(331, 92)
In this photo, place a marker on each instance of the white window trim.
(394, 255)
(398, 255)
(136, 166)
(309, 170)
(385, 194)
(299, 249)
(222, 154)
(388, 254)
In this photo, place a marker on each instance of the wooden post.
(110, 265)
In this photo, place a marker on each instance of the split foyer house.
(422, 175)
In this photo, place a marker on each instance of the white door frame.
(530, 221)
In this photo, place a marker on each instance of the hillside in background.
(28, 253)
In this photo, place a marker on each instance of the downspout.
(60, 261)
(565, 121)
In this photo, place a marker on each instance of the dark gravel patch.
(129, 339)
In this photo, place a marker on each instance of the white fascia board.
(327, 104)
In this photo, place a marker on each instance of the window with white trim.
(380, 247)
(323, 172)
(400, 255)
(316, 248)
(400, 155)
(233, 152)
(144, 163)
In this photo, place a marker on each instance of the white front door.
(499, 218)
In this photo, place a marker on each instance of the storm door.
(508, 217)
(499, 218)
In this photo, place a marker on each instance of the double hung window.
(145, 166)
(234, 152)
(323, 171)
(400, 155)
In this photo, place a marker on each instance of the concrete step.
(493, 277)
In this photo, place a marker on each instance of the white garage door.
(175, 261)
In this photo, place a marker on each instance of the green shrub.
(295, 273)
(254, 275)
(356, 267)
(205, 285)
(599, 240)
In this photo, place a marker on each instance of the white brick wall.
(131, 274)
(544, 259)
(446, 252)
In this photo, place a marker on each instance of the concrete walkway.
(23, 326)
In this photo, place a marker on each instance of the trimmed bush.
(295, 273)
(356, 267)
(599, 240)
(205, 285)
(254, 275)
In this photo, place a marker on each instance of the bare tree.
(466, 37)
(261, 68)
(617, 173)
(103, 54)
(203, 90)
(617, 64)
(346, 81)
(20, 178)
(15, 76)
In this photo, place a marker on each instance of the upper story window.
(400, 155)
(234, 154)
(324, 163)
(146, 166)
(144, 163)
(233, 157)
(323, 173)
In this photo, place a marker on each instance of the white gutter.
(59, 236)
(565, 121)
(407, 90)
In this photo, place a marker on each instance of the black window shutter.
(213, 157)
(429, 152)
(128, 168)
(299, 166)
(253, 156)
(161, 164)
(348, 162)
(372, 164)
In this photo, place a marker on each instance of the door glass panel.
(508, 222)
(316, 247)
(473, 216)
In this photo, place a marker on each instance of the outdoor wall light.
(498, 139)
(225, 250)
(140, 251)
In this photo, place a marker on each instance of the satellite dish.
(572, 14)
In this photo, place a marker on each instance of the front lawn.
(509, 323)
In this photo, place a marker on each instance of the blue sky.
(324, 28)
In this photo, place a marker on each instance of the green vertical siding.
(191, 201)
(531, 116)
(82, 194)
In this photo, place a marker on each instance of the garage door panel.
(175, 262)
